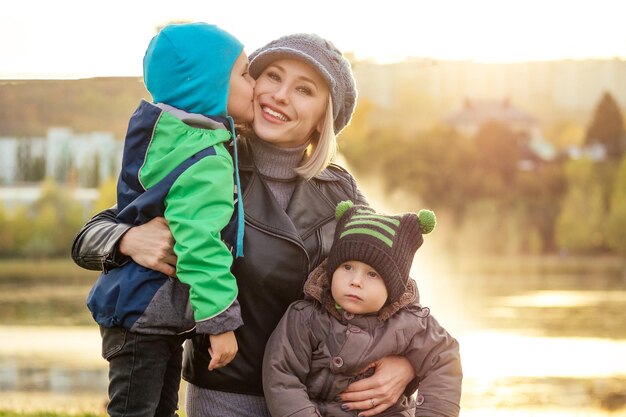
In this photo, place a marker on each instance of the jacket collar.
(317, 287)
(308, 208)
(194, 119)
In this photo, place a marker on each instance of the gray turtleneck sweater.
(276, 166)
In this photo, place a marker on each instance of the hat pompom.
(427, 221)
(342, 207)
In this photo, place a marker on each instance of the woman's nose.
(281, 94)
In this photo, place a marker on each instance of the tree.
(54, 220)
(607, 127)
(434, 166)
(107, 195)
(540, 194)
(21, 227)
(497, 157)
(579, 226)
(616, 220)
(90, 172)
(30, 168)
(6, 232)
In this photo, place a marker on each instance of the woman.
(304, 96)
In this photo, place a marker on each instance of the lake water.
(531, 345)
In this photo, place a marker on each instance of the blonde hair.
(322, 149)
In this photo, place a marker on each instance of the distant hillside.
(29, 107)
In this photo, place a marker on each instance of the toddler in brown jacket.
(360, 306)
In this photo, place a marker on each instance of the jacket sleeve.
(286, 364)
(95, 245)
(198, 206)
(435, 356)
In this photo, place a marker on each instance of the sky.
(66, 39)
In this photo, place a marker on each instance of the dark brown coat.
(317, 350)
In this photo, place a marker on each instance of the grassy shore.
(43, 292)
(34, 271)
(64, 271)
(9, 413)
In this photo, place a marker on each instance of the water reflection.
(492, 355)
(531, 345)
(564, 299)
(16, 375)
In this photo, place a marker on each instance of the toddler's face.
(241, 92)
(358, 288)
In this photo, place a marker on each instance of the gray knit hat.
(324, 57)
(385, 242)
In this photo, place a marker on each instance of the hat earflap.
(427, 220)
(342, 207)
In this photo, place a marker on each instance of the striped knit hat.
(385, 242)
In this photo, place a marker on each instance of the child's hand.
(222, 350)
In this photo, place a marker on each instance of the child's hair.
(322, 148)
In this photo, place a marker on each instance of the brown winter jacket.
(317, 350)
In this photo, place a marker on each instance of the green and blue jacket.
(177, 165)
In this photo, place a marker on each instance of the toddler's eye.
(347, 267)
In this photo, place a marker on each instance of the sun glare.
(481, 30)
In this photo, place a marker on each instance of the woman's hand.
(151, 245)
(380, 391)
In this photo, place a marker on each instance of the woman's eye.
(273, 76)
(305, 90)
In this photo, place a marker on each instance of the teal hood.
(188, 66)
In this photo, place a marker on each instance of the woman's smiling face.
(290, 102)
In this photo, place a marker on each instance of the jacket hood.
(188, 66)
(172, 140)
(317, 286)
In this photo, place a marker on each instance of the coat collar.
(317, 287)
(308, 208)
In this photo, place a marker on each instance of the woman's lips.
(273, 114)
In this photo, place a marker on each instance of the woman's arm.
(435, 363)
(103, 244)
(95, 245)
(392, 375)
